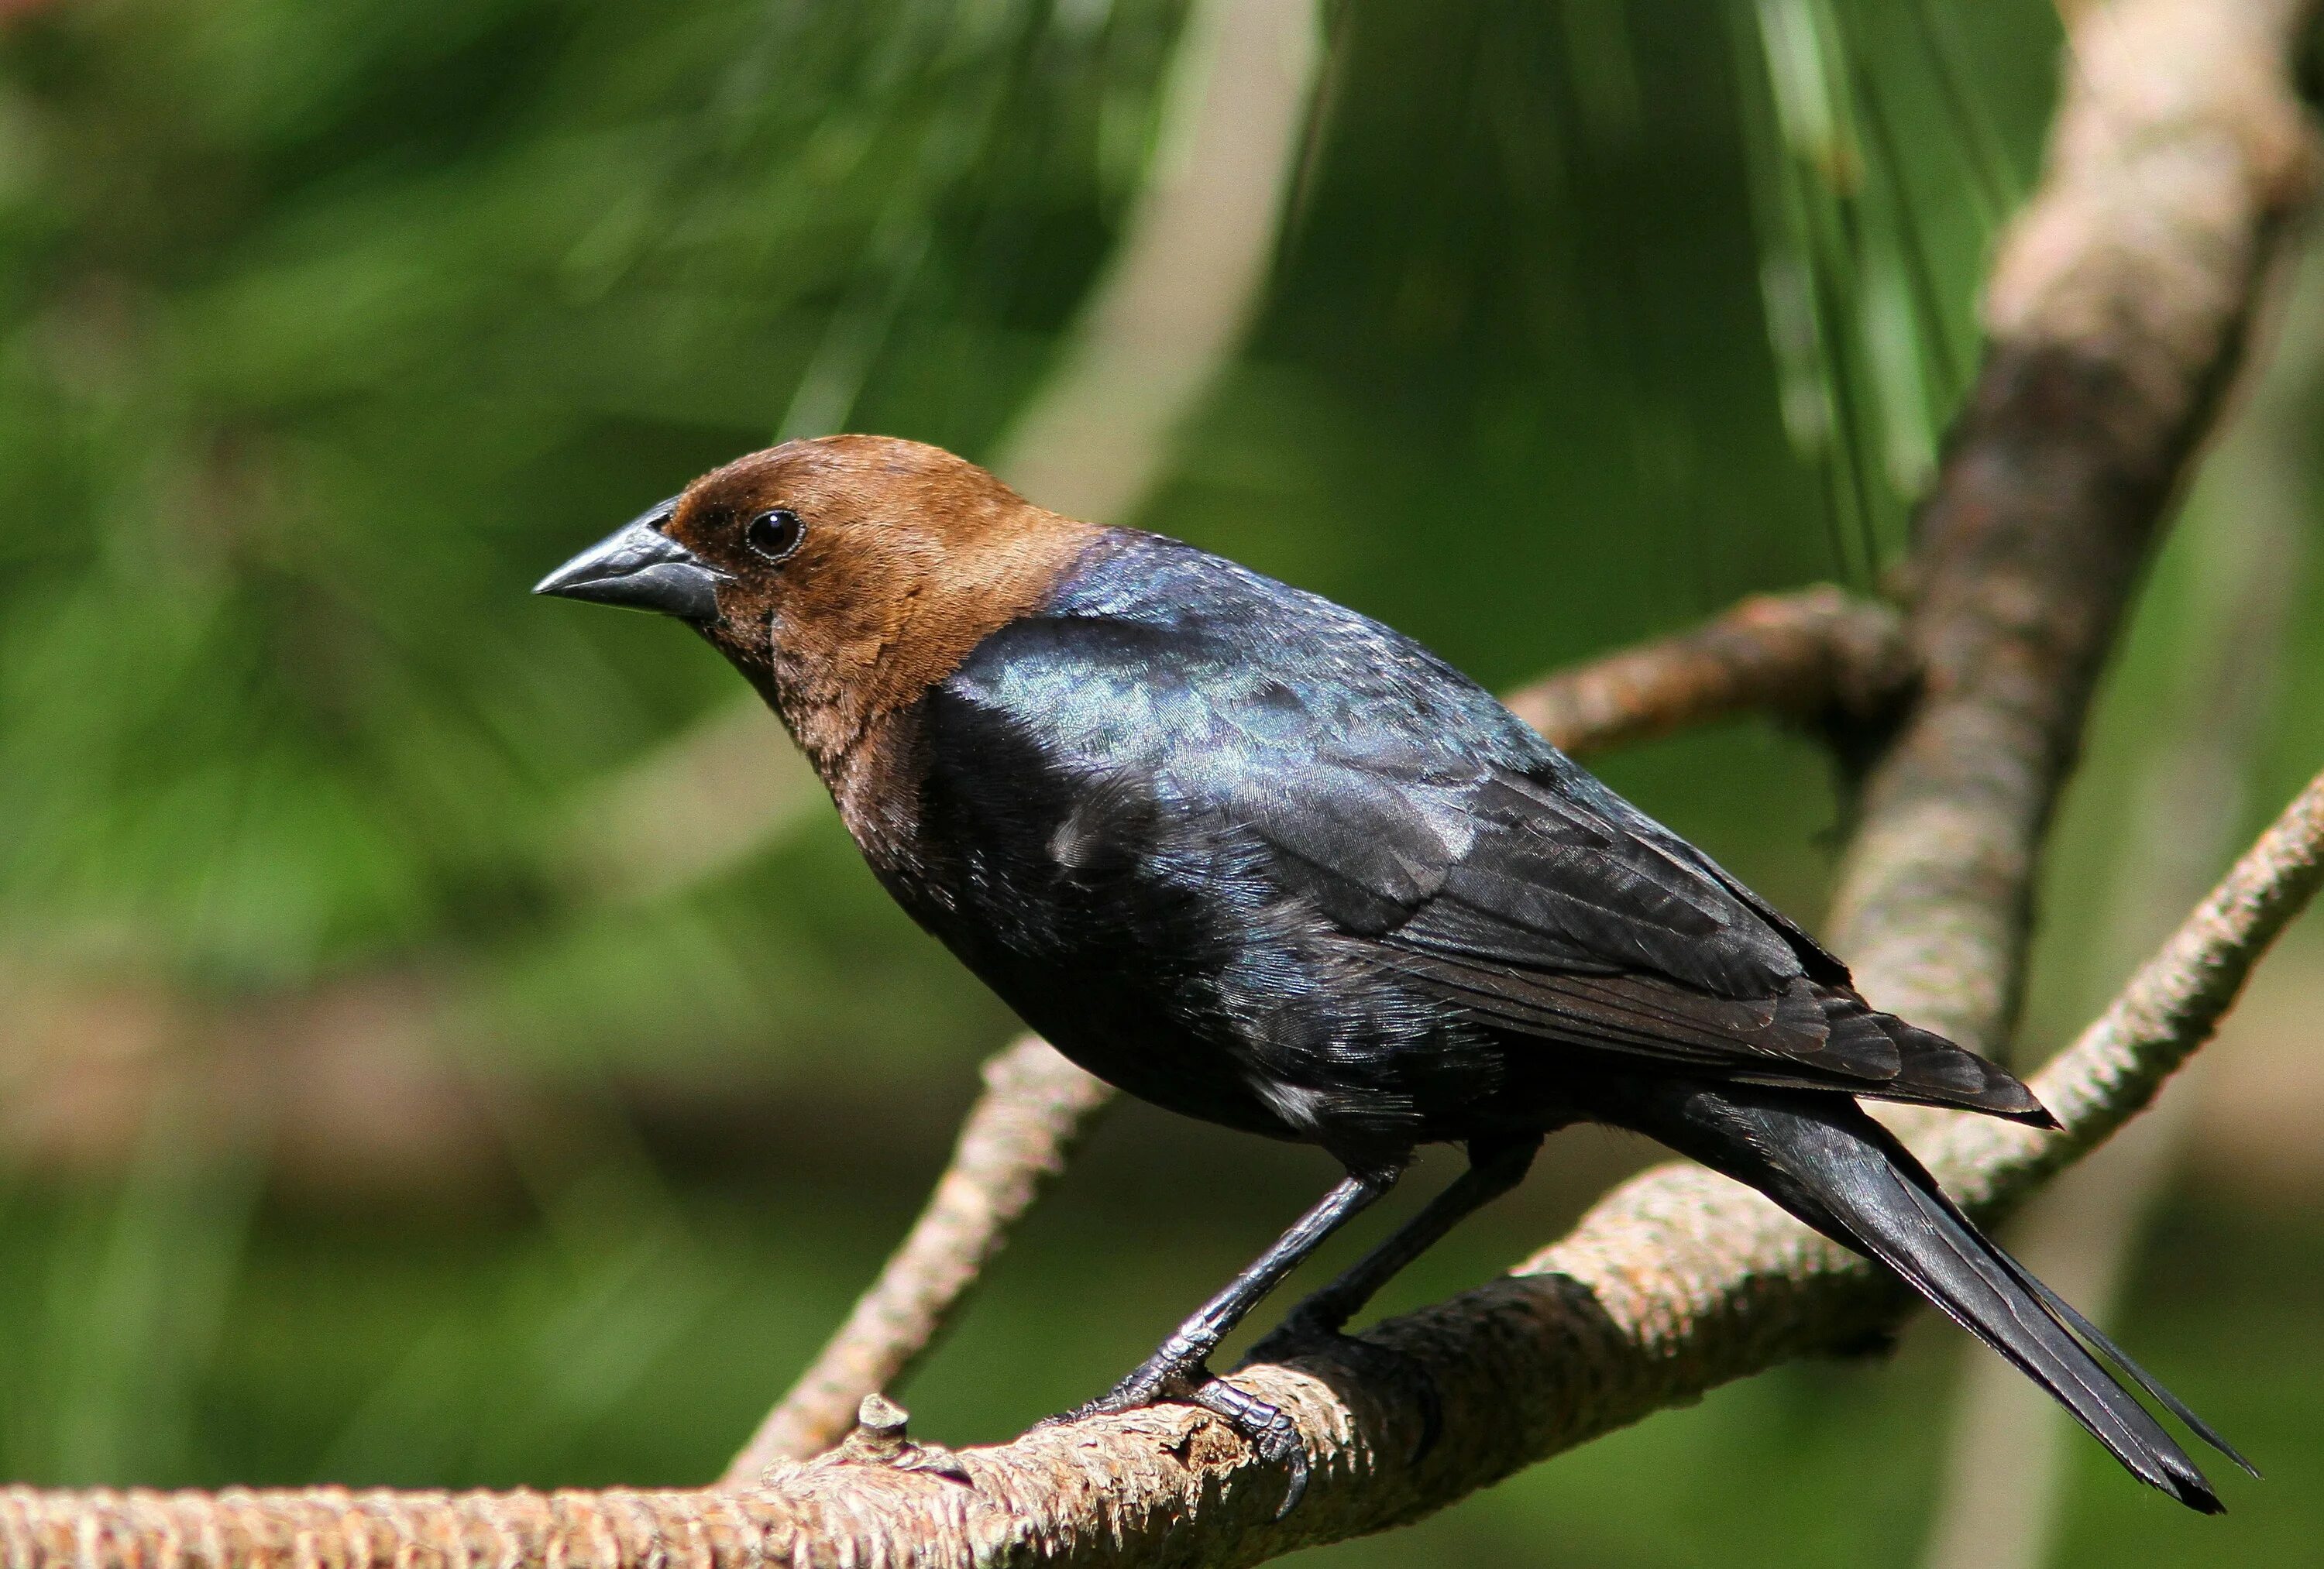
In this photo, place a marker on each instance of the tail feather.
(2114, 1354)
(1980, 1288)
(1835, 1168)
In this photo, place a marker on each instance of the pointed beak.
(642, 568)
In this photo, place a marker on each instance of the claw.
(1270, 1430)
(1305, 1335)
(1152, 1381)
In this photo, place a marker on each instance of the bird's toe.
(1152, 1381)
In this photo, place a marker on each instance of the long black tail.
(1828, 1162)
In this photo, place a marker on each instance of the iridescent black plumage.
(1265, 862)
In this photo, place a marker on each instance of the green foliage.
(326, 329)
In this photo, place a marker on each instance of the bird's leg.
(1317, 1322)
(1493, 1170)
(1177, 1370)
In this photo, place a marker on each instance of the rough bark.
(2010, 1452)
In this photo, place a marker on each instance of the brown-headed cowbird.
(1263, 860)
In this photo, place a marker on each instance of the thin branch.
(2168, 1009)
(1801, 654)
(1814, 651)
(1678, 1282)
(1034, 1108)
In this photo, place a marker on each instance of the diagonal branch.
(2116, 312)
(2001, 1496)
(1034, 1108)
(1804, 654)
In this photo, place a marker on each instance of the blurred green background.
(367, 1116)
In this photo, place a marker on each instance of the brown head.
(844, 575)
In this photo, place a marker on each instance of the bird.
(1263, 860)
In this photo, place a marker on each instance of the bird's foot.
(1306, 1331)
(1134, 1393)
(1267, 1428)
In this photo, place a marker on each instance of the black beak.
(644, 568)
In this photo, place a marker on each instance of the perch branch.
(1813, 651)
(2170, 1007)
(1646, 1305)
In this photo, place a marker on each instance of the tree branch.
(2116, 312)
(1803, 654)
(2009, 1451)
(1034, 1110)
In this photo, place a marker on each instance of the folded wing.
(1566, 915)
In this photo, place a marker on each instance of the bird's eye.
(775, 535)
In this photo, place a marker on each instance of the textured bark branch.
(1805, 654)
(1034, 1110)
(2117, 313)
(2010, 1451)
(1814, 651)
(1645, 1306)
